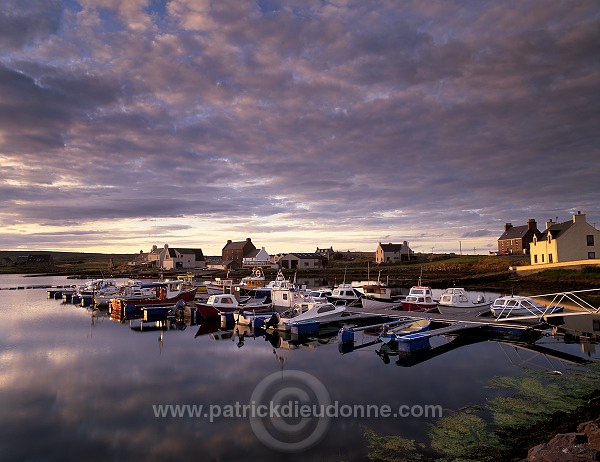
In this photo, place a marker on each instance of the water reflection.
(83, 386)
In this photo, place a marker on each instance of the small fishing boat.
(455, 300)
(516, 305)
(369, 303)
(227, 303)
(164, 294)
(322, 312)
(397, 332)
(420, 298)
(344, 294)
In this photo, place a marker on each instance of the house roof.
(391, 247)
(514, 232)
(557, 229)
(307, 255)
(197, 252)
(252, 253)
(239, 245)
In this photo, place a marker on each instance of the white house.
(568, 241)
(393, 253)
(257, 258)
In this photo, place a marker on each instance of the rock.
(564, 447)
(592, 430)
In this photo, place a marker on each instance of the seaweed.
(391, 448)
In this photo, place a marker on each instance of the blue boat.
(404, 332)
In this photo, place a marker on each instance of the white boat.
(455, 300)
(319, 295)
(227, 303)
(376, 304)
(307, 310)
(516, 305)
(132, 289)
(344, 293)
(284, 293)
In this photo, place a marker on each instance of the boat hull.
(468, 309)
(211, 311)
(416, 306)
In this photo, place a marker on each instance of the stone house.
(515, 240)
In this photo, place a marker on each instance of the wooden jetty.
(451, 324)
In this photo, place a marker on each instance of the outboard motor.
(179, 308)
(272, 322)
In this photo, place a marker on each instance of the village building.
(567, 241)
(303, 260)
(393, 253)
(174, 258)
(236, 251)
(170, 258)
(515, 240)
(257, 257)
(40, 260)
(327, 253)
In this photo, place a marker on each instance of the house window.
(535, 259)
(542, 258)
(591, 255)
(590, 239)
(549, 258)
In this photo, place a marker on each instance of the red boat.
(166, 295)
(420, 298)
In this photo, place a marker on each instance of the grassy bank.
(474, 272)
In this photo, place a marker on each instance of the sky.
(299, 124)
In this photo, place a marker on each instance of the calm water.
(75, 385)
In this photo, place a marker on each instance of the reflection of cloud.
(198, 109)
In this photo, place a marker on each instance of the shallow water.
(75, 385)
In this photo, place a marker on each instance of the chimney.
(549, 223)
(507, 226)
(248, 239)
(531, 224)
(229, 241)
(579, 217)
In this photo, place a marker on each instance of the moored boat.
(321, 312)
(516, 305)
(344, 294)
(227, 303)
(420, 298)
(369, 303)
(164, 294)
(455, 300)
(400, 331)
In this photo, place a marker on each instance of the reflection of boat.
(400, 331)
(420, 298)
(455, 300)
(517, 305)
(226, 303)
(306, 311)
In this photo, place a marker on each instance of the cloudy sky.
(299, 124)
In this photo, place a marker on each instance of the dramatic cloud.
(299, 124)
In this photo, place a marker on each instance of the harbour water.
(75, 385)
